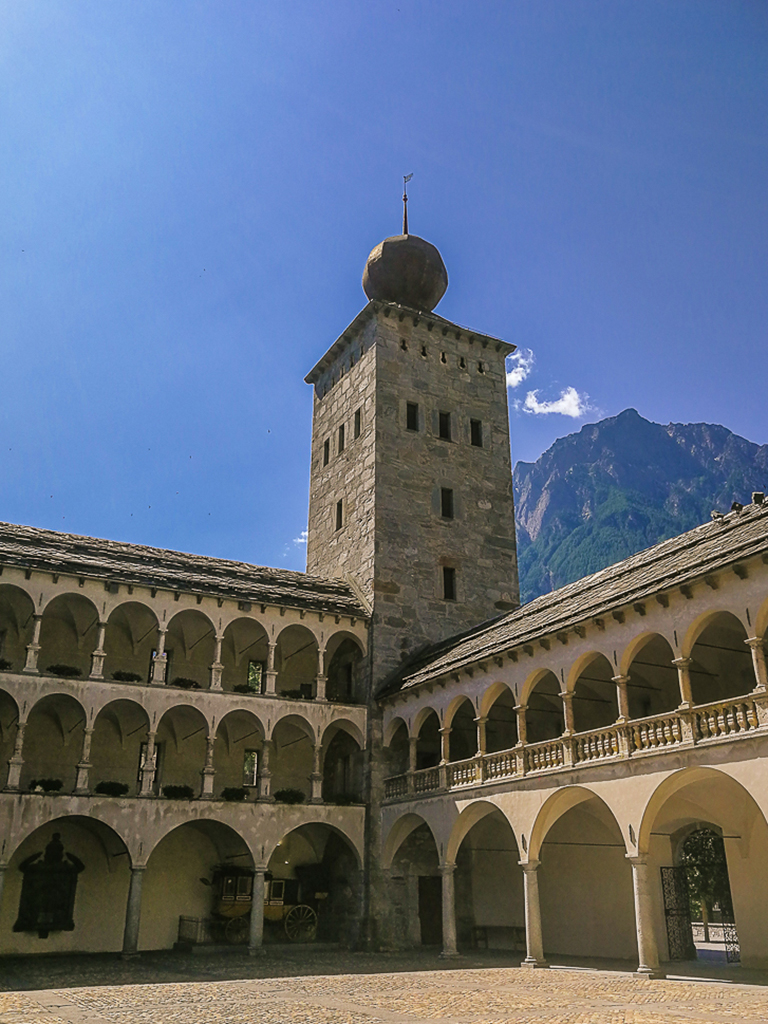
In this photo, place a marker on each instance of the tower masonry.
(411, 479)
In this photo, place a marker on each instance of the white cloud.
(519, 365)
(302, 539)
(570, 403)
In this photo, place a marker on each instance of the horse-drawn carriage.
(286, 906)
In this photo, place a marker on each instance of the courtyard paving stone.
(331, 987)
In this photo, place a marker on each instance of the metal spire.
(406, 179)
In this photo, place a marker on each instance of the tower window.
(326, 451)
(443, 358)
(341, 439)
(403, 344)
(449, 583)
(358, 422)
(339, 514)
(412, 416)
(445, 426)
(446, 502)
(463, 363)
(476, 433)
(480, 368)
(424, 351)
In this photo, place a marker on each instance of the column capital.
(481, 719)
(637, 859)
(757, 643)
(529, 865)
(138, 868)
(444, 730)
(447, 869)
(619, 679)
(682, 662)
(566, 695)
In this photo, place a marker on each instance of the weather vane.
(406, 179)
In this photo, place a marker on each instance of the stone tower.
(411, 480)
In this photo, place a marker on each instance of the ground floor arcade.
(588, 865)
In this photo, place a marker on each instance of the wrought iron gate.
(677, 911)
(730, 936)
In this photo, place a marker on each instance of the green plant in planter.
(290, 796)
(126, 677)
(186, 684)
(4, 665)
(65, 671)
(178, 792)
(112, 788)
(45, 785)
(233, 793)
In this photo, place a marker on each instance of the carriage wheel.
(301, 923)
(237, 931)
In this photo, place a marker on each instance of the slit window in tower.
(446, 502)
(326, 451)
(339, 514)
(449, 583)
(412, 416)
(445, 426)
(341, 439)
(476, 433)
(358, 422)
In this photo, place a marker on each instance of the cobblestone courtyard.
(360, 989)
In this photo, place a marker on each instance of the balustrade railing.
(685, 727)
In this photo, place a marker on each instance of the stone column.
(445, 744)
(648, 952)
(265, 775)
(82, 786)
(99, 654)
(208, 773)
(623, 695)
(413, 743)
(316, 777)
(256, 935)
(2, 882)
(160, 660)
(320, 679)
(756, 645)
(534, 945)
(133, 913)
(33, 648)
(16, 761)
(271, 674)
(567, 698)
(148, 771)
(217, 667)
(449, 911)
(522, 724)
(482, 747)
(683, 666)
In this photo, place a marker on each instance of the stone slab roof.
(724, 542)
(135, 564)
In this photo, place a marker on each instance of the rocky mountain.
(620, 485)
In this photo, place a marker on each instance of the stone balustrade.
(723, 720)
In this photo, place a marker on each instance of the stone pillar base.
(257, 951)
(534, 963)
(650, 972)
(455, 955)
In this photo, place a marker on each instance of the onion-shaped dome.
(408, 270)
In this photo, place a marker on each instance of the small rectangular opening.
(339, 515)
(326, 451)
(250, 767)
(358, 423)
(341, 439)
(449, 583)
(476, 433)
(445, 426)
(412, 416)
(446, 502)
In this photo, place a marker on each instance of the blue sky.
(190, 191)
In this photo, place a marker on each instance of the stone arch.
(653, 687)
(101, 886)
(343, 725)
(130, 638)
(544, 716)
(721, 663)
(392, 727)
(181, 866)
(344, 655)
(426, 728)
(180, 747)
(53, 740)
(119, 732)
(585, 879)
(296, 661)
(401, 829)
(397, 746)
(292, 759)
(460, 719)
(342, 763)
(9, 725)
(704, 621)
(190, 647)
(16, 611)
(761, 620)
(244, 655)
(68, 635)
(238, 752)
(595, 701)
(467, 819)
(498, 706)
